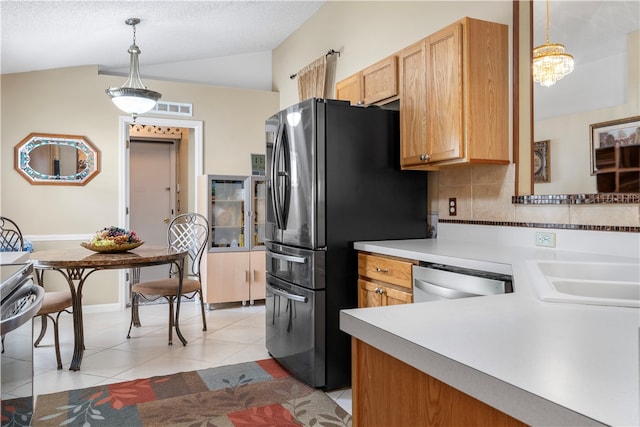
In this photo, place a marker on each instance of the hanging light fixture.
(133, 97)
(550, 62)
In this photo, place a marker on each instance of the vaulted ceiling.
(38, 35)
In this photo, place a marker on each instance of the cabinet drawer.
(390, 270)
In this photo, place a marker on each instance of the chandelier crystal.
(550, 61)
(133, 97)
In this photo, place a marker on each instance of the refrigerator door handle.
(285, 173)
(275, 187)
(290, 258)
(288, 295)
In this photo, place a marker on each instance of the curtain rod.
(330, 52)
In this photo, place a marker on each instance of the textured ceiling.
(589, 30)
(39, 35)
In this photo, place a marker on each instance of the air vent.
(173, 108)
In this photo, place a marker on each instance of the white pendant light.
(133, 97)
(550, 62)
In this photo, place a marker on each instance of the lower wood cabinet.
(384, 280)
(388, 392)
(235, 276)
(371, 294)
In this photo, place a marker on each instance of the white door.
(152, 178)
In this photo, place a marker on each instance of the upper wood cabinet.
(454, 105)
(374, 84)
(380, 80)
(350, 89)
(413, 103)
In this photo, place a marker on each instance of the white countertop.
(14, 257)
(543, 363)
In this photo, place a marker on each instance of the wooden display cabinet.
(618, 169)
(234, 269)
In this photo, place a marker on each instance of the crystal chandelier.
(133, 97)
(550, 62)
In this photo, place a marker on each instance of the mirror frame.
(35, 140)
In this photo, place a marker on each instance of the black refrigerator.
(333, 177)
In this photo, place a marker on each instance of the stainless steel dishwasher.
(432, 282)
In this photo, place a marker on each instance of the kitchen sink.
(591, 271)
(614, 284)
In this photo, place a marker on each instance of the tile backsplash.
(485, 193)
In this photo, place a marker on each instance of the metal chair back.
(10, 236)
(189, 231)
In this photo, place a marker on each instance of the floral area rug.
(257, 393)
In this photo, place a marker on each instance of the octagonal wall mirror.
(52, 159)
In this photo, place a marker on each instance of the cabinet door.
(368, 294)
(258, 213)
(228, 277)
(350, 89)
(380, 80)
(258, 275)
(413, 104)
(227, 209)
(445, 133)
(392, 296)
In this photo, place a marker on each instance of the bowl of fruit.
(113, 239)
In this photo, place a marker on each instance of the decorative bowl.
(110, 249)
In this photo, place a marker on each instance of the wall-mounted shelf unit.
(618, 169)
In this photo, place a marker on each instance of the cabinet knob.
(425, 157)
(381, 270)
(379, 291)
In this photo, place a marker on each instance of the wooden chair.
(189, 231)
(54, 303)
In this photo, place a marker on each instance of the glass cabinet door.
(258, 191)
(227, 212)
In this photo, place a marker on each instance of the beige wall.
(72, 101)
(368, 31)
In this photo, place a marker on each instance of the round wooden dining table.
(77, 264)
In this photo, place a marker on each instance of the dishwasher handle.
(440, 291)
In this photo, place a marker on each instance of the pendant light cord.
(547, 42)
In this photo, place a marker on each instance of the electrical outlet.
(548, 240)
(453, 207)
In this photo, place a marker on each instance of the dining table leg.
(75, 278)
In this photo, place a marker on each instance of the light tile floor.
(234, 334)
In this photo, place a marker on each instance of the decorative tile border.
(577, 199)
(621, 228)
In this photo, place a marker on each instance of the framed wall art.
(541, 161)
(606, 135)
